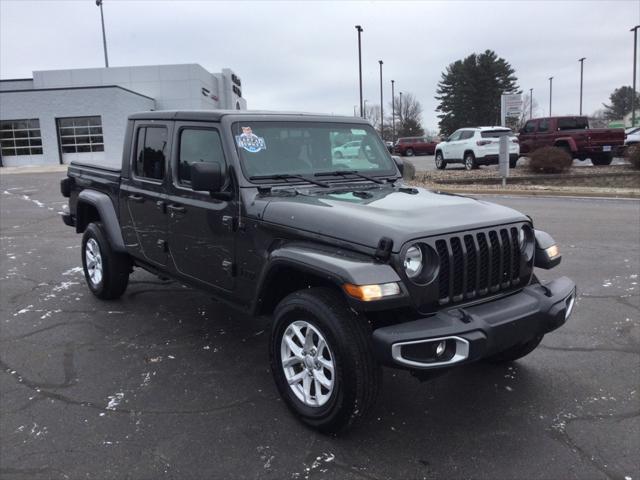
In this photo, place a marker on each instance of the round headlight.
(522, 238)
(413, 261)
(526, 241)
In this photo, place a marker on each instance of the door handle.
(136, 198)
(176, 208)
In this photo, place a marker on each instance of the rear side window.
(530, 126)
(151, 152)
(466, 134)
(198, 145)
(495, 133)
(573, 123)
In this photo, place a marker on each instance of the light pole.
(104, 35)
(381, 105)
(400, 112)
(530, 103)
(635, 58)
(359, 29)
(354, 111)
(550, 93)
(364, 115)
(581, 60)
(393, 111)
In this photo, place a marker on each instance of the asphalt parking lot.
(167, 383)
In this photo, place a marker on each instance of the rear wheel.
(470, 161)
(603, 159)
(513, 163)
(322, 360)
(441, 164)
(105, 271)
(409, 152)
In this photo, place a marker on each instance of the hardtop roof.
(217, 115)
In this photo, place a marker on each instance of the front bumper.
(468, 334)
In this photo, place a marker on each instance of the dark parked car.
(410, 146)
(573, 135)
(356, 269)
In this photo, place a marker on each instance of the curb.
(540, 193)
(33, 169)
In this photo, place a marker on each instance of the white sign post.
(503, 158)
(510, 106)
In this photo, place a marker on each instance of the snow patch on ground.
(114, 400)
(72, 271)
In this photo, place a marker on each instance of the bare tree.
(408, 115)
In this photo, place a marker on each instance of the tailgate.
(606, 137)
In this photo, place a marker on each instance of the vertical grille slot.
(484, 263)
(443, 277)
(495, 260)
(473, 273)
(507, 258)
(458, 266)
(515, 248)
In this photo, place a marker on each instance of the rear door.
(143, 193)
(201, 228)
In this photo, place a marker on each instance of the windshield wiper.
(348, 172)
(287, 176)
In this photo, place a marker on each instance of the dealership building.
(63, 115)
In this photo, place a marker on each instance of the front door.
(452, 147)
(143, 194)
(201, 228)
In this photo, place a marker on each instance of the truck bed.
(81, 176)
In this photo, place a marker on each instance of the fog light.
(553, 251)
(442, 346)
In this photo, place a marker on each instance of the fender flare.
(102, 202)
(335, 268)
(569, 140)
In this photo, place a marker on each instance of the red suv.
(410, 146)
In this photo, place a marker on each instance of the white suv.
(476, 146)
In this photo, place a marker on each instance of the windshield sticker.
(250, 141)
(358, 131)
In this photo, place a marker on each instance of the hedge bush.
(633, 155)
(550, 160)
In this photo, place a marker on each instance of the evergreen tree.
(470, 89)
(620, 103)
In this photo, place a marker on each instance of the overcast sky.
(303, 55)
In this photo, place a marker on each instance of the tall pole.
(104, 35)
(364, 115)
(530, 103)
(381, 104)
(393, 111)
(550, 93)
(359, 29)
(581, 60)
(635, 58)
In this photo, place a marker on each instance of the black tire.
(409, 152)
(441, 163)
(604, 159)
(348, 337)
(470, 161)
(115, 266)
(513, 163)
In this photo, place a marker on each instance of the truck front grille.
(477, 264)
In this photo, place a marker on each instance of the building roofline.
(76, 88)
(16, 79)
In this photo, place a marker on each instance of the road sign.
(510, 106)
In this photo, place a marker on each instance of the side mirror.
(206, 176)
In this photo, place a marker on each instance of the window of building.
(198, 145)
(80, 134)
(151, 152)
(20, 137)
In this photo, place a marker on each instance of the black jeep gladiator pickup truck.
(357, 269)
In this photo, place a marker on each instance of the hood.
(365, 216)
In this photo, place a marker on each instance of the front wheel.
(409, 152)
(441, 164)
(106, 271)
(322, 360)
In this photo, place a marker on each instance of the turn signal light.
(367, 293)
(553, 251)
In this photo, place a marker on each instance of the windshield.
(307, 148)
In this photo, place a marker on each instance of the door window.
(543, 126)
(151, 152)
(455, 136)
(530, 127)
(198, 145)
(466, 134)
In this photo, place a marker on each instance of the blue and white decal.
(250, 141)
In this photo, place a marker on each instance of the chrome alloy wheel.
(94, 261)
(308, 363)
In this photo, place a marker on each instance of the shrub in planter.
(550, 160)
(633, 155)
